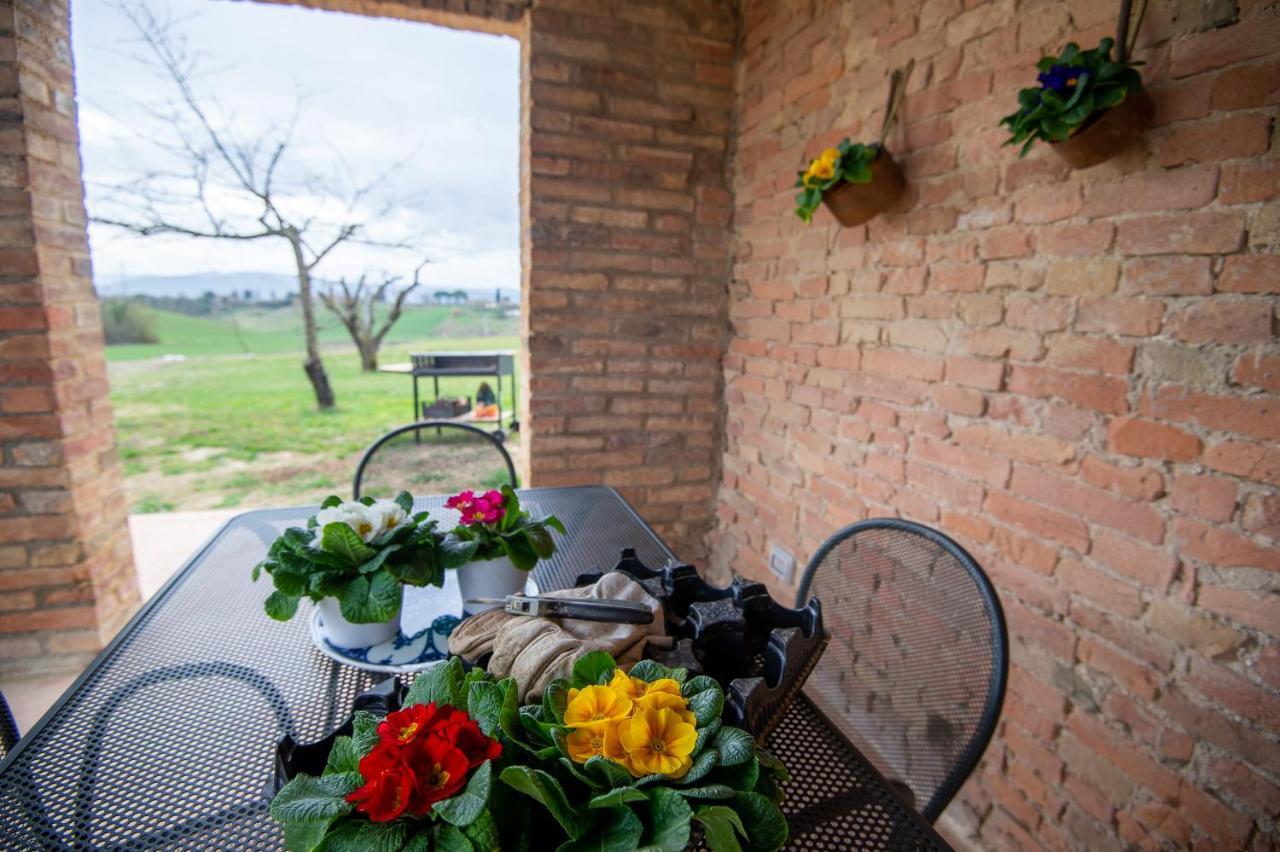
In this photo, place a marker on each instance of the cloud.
(374, 92)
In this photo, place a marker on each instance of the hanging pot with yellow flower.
(856, 182)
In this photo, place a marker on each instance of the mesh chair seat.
(434, 457)
(915, 672)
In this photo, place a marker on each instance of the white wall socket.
(782, 563)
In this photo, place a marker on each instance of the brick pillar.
(66, 568)
(627, 111)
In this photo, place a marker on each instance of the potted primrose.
(1088, 106)
(496, 544)
(856, 182)
(353, 559)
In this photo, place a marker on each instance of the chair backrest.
(914, 675)
(434, 457)
(8, 728)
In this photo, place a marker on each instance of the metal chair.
(434, 457)
(9, 735)
(914, 675)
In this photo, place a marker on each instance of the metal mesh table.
(167, 740)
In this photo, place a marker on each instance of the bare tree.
(356, 306)
(222, 187)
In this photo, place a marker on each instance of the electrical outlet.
(782, 563)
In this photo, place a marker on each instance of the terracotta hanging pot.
(1108, 132)
(857, 203)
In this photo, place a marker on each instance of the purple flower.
(1059, 78)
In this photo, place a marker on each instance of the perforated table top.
(167, 740)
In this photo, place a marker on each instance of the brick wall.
(66, 569)
(627, 111)
(1074, 374)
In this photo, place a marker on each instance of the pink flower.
(482, 512)
(461, 501)
(493, 498)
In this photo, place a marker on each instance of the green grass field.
(226, 429)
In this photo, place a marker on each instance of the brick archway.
(625, 214)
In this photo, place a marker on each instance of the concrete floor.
(161, 543)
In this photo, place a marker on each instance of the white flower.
(355, 515)
(386, 515)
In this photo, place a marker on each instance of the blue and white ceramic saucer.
(402, 654)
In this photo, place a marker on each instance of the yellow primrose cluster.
(646, 727)
(823, 168)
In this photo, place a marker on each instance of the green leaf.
(572, 768)
(771, 763)
(361, 835)
(553, 522)
(540, 540)
(364, 731)
(610, 774)
(405, 501)
(742, 776)
(707, 705)
(309, 799)
(257, 571)
(376, 562)
(555, 698)
(670, 814)
(339, 539)
(766, 828)
(305, 836)
(594, 668)
(617, 796)
(483, 833)
(618, 831)
(546, 789)
(331, 501)
(721, 827)
(485, 704)
(705, 735)
(370, 599)
(450, 838)
(280, 606)
(519, 550)
(342, 756)
(711, 791)
(423, 840)
(442, 683)
(417, 566)
(456, 551)
(698, 683)
(649, 671)
(464, 808)
(702, 764)
(734, 745)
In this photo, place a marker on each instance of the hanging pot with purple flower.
(1088, 106)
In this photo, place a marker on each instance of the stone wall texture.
(66, 567)
(1075, 374)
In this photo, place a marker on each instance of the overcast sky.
(373, 92)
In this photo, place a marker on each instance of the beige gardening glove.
(535, 651)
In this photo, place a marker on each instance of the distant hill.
(263, 285)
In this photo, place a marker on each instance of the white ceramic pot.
(345, 634)
(492, 578)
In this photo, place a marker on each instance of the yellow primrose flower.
(594, 705)
(624, 684)
(658, 741)
(585, 743)
(667, 701)
(823, 169)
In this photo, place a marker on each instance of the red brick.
(1098, 506)
(1258, 462)
(1065, 529)
(1214, 140)
(1254, 609)
(1251, 273)
(1235, 692)
(1256, 416)
(1124, 755)
(1167, 276)
(1184, 189)
(1245, 784)
(1223, 548)
(1250, 181)
(1117, 596)
(1151, 567)
(1258, 370)
(986, 375)
(1186, 233)
(1262, 514)
(1224, 321)
(1147, 439)
(1122, 315)
(1136, 483)
(1090, 353)
(1098, 393)
(1227, 46)
(1209, 498)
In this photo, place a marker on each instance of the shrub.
(126, 322)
